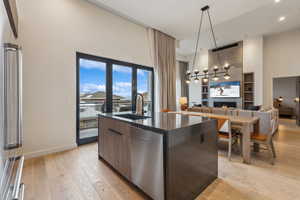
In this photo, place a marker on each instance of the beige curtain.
(164, 60)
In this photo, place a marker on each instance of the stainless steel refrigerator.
(11, 154)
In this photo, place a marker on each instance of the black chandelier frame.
(195, 73)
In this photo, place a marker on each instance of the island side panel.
(191, 160)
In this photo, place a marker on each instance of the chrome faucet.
(139, 104)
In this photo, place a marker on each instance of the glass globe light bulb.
(227, 76)
(215, 78)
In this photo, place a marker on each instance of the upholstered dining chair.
(266, 140)
(219, 111)
(245, 113)
(206, 109)
(233, 113)
(224, 132)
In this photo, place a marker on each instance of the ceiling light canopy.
(277, 1)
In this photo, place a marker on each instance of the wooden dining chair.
(225, 133)
(266, 140)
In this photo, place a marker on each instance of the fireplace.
(225, 103)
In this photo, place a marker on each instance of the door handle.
(114, 131)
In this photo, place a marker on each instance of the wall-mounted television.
(225, 89)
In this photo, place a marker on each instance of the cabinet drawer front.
(115, 126)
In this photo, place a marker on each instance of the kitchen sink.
(132, 116)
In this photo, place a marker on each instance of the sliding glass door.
(106, 85)
(122, 88)
(92, 97)
(144, 87)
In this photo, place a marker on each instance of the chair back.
(194, 109)
(219, 111)
(245, 113)
(264, 121)
(206, 109)
(276, 117)
(233, 113)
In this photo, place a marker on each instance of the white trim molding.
(49, 151)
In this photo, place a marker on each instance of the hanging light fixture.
(206, 78)
(188, 74)
(215, 77)
(194, 74)
(226, 68)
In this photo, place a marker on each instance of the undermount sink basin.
(132, 116)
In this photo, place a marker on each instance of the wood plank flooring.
(78, 174)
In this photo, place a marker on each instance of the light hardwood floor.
(77, 174)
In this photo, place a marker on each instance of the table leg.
(246, 134)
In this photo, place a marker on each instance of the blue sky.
(92, 78)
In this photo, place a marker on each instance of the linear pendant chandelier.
(194, 74)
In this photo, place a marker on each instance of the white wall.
(281, 59)
(195, 89)
(253, 62)
(51, 33)
(268, 57)
(183, 58)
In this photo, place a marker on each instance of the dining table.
(246, 125)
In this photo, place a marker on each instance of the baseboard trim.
(49, 151)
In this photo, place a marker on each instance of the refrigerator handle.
(20, 105)
(19, 141)
(18, 187)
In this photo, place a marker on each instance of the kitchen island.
(167, 156)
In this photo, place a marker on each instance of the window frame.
(109, 89)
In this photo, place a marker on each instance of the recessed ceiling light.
(277, 1)
(281, 19)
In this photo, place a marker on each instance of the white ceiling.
(233, 20)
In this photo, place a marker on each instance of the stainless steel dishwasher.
(146, 154)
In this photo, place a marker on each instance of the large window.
(106, 85)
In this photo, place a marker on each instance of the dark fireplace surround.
(220, 104)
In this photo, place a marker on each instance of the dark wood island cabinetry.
(167, 156)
